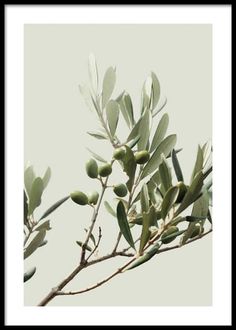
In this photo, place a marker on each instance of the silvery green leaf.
(30, 273)
(45, 225)
(108, 85)
(165, 147)
(160, 132)
(29, 177)
(198, 164)
(86, 246)
(46, 177)
(156, 90)
(144, 198)
(159, 108)
(191, 218)
(93, 72)
(35, 195)
(25, 209)
(87, 97)
(123, 224)
(129, 167)
(165, 175)
(192, 193)
(144, 130)
(168, 201)
(54, 207)
(96, 156)
(174, 235)
(133, 142)
(135, 131)
(120, 100)
(109, 209)
(146, 257)
(112, 111)
(98, 135)
(129, 108)
(148, 219)
(176, 165)
(35, 243)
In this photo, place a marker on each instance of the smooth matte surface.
(56, 121)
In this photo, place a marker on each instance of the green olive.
(105, 170)
(171, 230)
(93, 197)
(182, 191)
(119, 153)
(92, 168)
(120, 190)
(141, 157)
(79, 197)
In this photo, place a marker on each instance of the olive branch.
(148, 199)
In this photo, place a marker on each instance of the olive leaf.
(30, 273)
(148, 219)
(35, 195)
(112, 111)
(44, 242)
(174, 235)
(176, 165)
(87, 98)
(165, 175)
(54, 207)
(144, 198)
(135, 131)
(129, 167)
(109, 209)
(86, 246)
(144, 130)
(96, 156)
(108, 85)
(93, 72)
(35, 243)
(146, 257)
(198, 164)
(25, 209)
(146, 95)
(46, 177)
(129, 108)
(29, 177)
(168, 201)
(45, 225)
(120, 101)
(161, 106)
(98, 135)
(123, 224)
(156, 88)
(165, 147)
(160, 132)
(91, 237)
(191, 218)
(192, 193)
(133, 142)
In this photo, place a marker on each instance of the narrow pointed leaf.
(96, 156)
(168, 201)
(108, 85)
(123, 224)
(159, 108)
(133, 142)
(156, 90)
(30, 273)
(93, 72)
(91, 237)
(144, 198)
(54, 207)
(191, 218)
(46, 177)
(146, 257)
(176, 165)
(112, 110)
(25, 208)
(87, 97)
(174, 235)
(165, 147)
(129, 167)
(160, 132)
(45, 225)
(29, 177)
(165, 175)
(135, 131)
(98, 135)
(198, 163)
(148, 219)
(109, 209)
(129, 108)
(35, 195)
(192, 193)
(207, 172)
(44, 242)
(120, 101)
(35, 243)
(144, 130)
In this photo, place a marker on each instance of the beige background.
(56, 121)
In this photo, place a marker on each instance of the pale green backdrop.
(56, 121)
